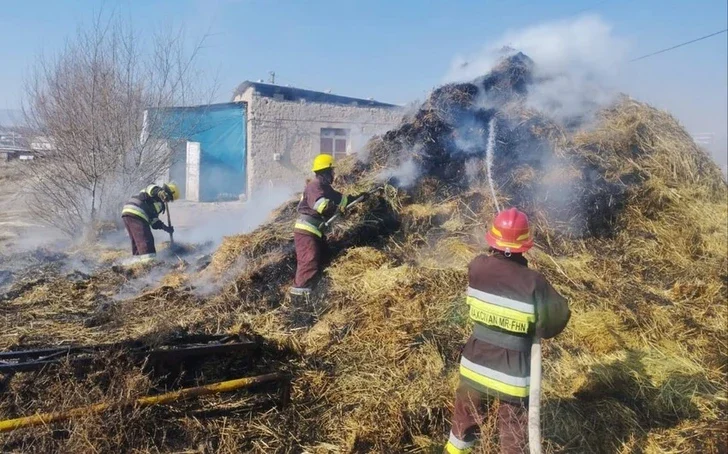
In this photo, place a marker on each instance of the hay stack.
(631, 227)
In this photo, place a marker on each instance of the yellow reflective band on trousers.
(457, 446)
(305, 226)
(136, 211)
(146, 258)
(492, 379)
(452, 449)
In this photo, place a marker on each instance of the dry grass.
(640, 368)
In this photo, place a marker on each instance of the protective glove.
(169, 229)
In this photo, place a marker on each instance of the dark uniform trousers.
(142, 240)
(311, 256)
(471, 407)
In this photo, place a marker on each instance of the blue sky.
(392, 51)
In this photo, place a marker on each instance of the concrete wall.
(284, 136)
(192, 162)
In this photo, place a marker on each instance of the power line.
(679, 45)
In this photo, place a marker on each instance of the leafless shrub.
(87, 106)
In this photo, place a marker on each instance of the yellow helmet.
(323, 162)
(173, 189)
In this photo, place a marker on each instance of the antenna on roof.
(272, 77)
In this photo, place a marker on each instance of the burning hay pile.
(631, 227)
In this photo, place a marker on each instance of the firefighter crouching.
(509, 305)
(141, 214)
(318, 203)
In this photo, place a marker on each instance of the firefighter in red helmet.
(509, 305)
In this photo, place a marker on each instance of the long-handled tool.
(169, 223)
(357, 200)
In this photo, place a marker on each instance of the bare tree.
(88, 103)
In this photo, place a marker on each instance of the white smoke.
(472, 169)
(576, 64)
(403, 176)
(469, 135)
(210, 222)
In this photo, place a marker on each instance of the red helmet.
(510, 232)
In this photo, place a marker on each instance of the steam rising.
(212, 225)
(576, 62)
(561, 70)
(403, 176)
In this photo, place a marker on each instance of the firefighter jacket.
(319, 202)
(147, 206)
(509, 305)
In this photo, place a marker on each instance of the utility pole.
(272, 77)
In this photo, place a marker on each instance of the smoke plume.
(576, 63)
(403, 176)
(209, 223)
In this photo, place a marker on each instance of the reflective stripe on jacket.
(146, 205)
(504, 313)
(130, 209)
(509, 304)
(307, 224)
(319, 202)
(151, 190)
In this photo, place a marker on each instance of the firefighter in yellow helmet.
(141, 214)
(319, 202)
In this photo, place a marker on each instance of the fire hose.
(356, 201)
(534, 399)
(213, 388)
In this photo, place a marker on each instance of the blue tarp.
(220, 130)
